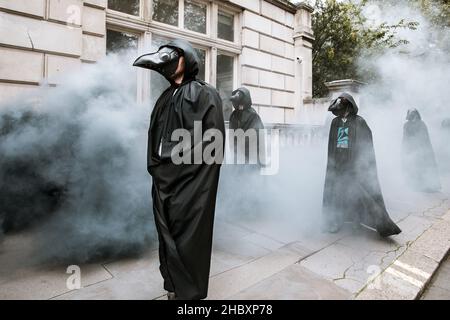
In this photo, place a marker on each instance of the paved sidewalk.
(263, 259)
(439, 288)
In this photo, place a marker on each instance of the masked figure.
(446, 124)
(352, 192)
(246, 118)
(419, 163)
(184, 195)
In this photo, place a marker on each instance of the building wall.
(41, 40)
(268, 59)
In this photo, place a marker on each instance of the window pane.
(202, 55)
(225, 28)
(120, 41)
(123, 43)
(157, 82)
(225, 69)
(130, 6)
(195, 16)
(166, 11)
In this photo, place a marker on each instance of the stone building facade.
(265, 45)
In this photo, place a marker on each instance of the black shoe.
(334, 228)
(171, 296)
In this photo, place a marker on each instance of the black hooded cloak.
(419, 162)
(184, 196)
(246, 118)
(352, 191)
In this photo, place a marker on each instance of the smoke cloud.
(79, 154)
(74, 165)
(415, 75)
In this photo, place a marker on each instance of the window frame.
(235, 24)
(140, 89)
(145, 28)
(140, 16)
(236, 64)
(208, 16)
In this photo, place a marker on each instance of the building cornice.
(304, 6)
(284, 4)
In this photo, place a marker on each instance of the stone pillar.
(303, 41)
(348, 85)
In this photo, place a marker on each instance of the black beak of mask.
(165, 61)
(237, 99)
(339, 107)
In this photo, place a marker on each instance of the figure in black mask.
(352, 192)
(445, 125)
(419, 163)
(444, 149)
(246, 118)
(184, 195)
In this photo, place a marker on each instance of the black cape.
(245, 119)
(352, 191)
(184, 196)
(419, 163)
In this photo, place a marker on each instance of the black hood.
(446, 123)
(413, 114)
(191, 58)
(348, 97)
(342, 104)
(153, 61)
(246, 99)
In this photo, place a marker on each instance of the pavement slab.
(231, 282)
(439, 287)
(408, 275)
(339, 262)
(42, 283)
(266, 258)
(436, 293)
(137, 279)
(294, 283)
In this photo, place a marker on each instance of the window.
(202, 67)
(157, 82)
(210, 26)
(166, 11)
(117, 41)
(225, 83)
(195, 16)
(225, 26)
(123, 43)
(129, 6)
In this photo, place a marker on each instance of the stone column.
(303, 41)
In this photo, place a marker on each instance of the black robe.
(419, 163)
(352, 191)
(245, 119)
(184, 196)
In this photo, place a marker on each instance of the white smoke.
(74, 165)
(415, 75)
(87, 140)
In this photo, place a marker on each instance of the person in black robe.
(184, 195)
(352, 191)
(246, 118)
(443, 150)
(419, 163)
